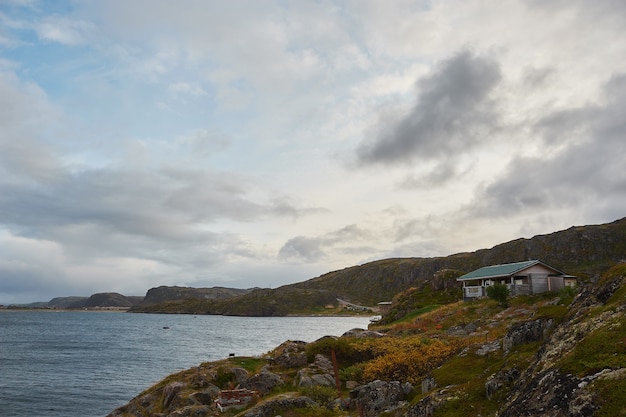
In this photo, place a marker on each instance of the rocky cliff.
(164, 294)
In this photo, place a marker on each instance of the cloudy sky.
(260, 143)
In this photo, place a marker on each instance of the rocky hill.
(548, 355)
(165, 294)
(95, 301)
(106, 299)
(584, 251)
(255, 303)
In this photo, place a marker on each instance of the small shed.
(528, 277)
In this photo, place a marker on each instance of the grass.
(601, 349)
(612, 394)
(462, 369)
(250, 364)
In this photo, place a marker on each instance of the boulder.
(526, 332)
(304, 378)
(193, 411)
(499, 380)
(272, 407)
(553, 394)
(323, 363)
(362, 334)
(205, 397)
(487, 348)
(378, 396)
(291, 355)
(263, 382)
(170, 393)
(240, 374)
(428, 384)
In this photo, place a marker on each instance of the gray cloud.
(313, 249)
(584, 170)
(453, 112)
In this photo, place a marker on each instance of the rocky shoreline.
(544, 356)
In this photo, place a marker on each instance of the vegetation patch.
(461, 369)
(601, 349)
(612, 397)
(250, 364)
(409, 359)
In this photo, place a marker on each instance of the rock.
(204, 397)
(137, 407)
(379, 396)
(307, 378)
(552, 394)
(240, 374)
(263, 382)
(495, 382)
(351, 385)
(362, 334)
(456, 331)
(487, 348)
(291, 355)
(170, 392)
(526, 332)
(280, 403)
(470, 328)
(427, 406)
(325, 380)
(428, 384)
(323, 363)
(193, 411)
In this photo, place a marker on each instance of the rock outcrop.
(379, 396)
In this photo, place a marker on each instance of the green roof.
(504, 270)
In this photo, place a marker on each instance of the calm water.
(80, 364)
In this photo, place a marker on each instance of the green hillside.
(584, 251)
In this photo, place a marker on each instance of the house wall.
(536, 269)
(538, 279)
(556, 283)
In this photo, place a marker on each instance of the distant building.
(529, 277)
(384, 307)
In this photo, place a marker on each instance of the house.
(529, 277)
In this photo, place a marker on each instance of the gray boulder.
(292, 355)
(379, 396)
(526, 332)
(273, 407)
(263, 382)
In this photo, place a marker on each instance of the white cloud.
(63, 30)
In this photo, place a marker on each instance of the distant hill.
(584, 251)
(259, 302)
(65, 302)
(164, 294)
(105, 299)
(99, 300)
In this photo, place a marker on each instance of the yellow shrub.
(409, 361)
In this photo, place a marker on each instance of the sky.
(260, 143)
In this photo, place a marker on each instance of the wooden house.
(529, 277)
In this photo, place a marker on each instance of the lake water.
(82, 364)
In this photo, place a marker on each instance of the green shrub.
(320, 394)
(499, 293)
(344, 350)
(352, 373)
